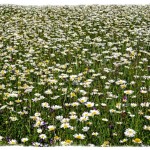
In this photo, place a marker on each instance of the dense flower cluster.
(74, 75)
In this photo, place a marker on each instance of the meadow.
(75, 75)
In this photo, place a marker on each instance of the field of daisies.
(75, 75)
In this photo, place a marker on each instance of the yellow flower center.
(78, 136)
(137, 140)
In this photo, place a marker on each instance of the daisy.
(146, 127)
(66, 142)
(12, 142)
(79, 136)
(65, 125)
(85, 129)
(59, 117)
(48, 91)
(94, 112)
(128, 92)
(36, 144)
(1, 138)
(147, 117)
(73, 117)
(83, 99)
(24, 140)
(74, 104)
(121, 82)
(56, 138)
(137, 140)
(105, 144)
(133, 104)
(55, 107)
(51, 128)
(95, 133)
(89, 104)
(123, 141)
(13, 95)
(129, 132)
(143, 91)
(82, 119)
(39, 130)
(105, 119)
(65, 120)
(42, 136)
(45, 105)
(13, 118)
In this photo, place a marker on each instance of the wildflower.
(79, 136)
(105, 119)
(67, 104)
(123, 141)
(73, 117)
(24, 140)
(85, 129)
(128, 92)
(13, 95)
(65, 120)
(36, 144)
(103, 104)
(65, 125)
(72, 113)
(95, 133)
(118, 122)
(12, 142)
(89, 123)
(123, 86)
(145, 104)
(83, 99)
(55, 107)
(51, 128)
(103, 77)
(86, 114)
(124, 99)
(105, 144)
(137, 140)
(147, 117)
(37, 114)
(45, 105)
(18, 101)
(82, 119)
(94, 112)
(118, 105)
(13, 118)
(48, 91)
(1, 138)
(115, 134)
(143, 91)
(39, 130)
(74, 104)
(112, 110)
(42, 136)
(66, 142)
(56, 138)
(89, 104)
(129, 132)
(121, 82)
(146, 127)
(59, 117)
(83, 92)
(133, 104)
(72, 94)
(91, 145)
